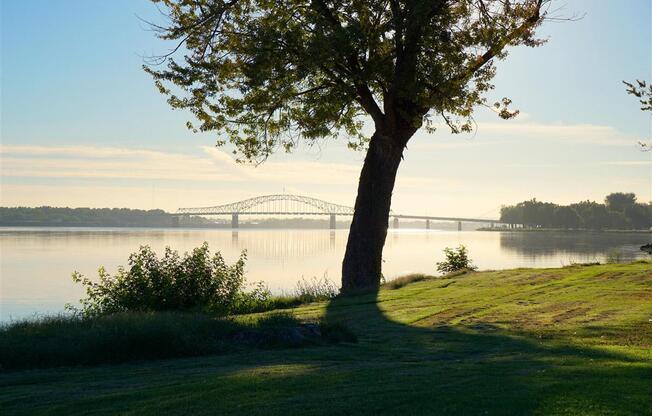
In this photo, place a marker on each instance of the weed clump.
(399, 282)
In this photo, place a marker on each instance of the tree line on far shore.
(619, 211)
(90, 217)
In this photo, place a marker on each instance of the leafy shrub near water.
(195, 281)
(164, 307)
(456, 259)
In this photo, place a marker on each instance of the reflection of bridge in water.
(285, 204)
(287, 244)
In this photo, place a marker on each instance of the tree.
(643, 92)
(266, 74)
(565, 217)
(618, 201)
(511, 215)
(594, 216)
(639, 216)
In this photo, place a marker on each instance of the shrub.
(195, 281)
(456, 259)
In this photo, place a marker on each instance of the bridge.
(297, 205)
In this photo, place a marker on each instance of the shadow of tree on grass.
(427, 367)
(483, 369)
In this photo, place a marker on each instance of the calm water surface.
(35, 264)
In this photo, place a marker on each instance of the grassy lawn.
(570, 341)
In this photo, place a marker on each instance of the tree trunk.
(361, 268)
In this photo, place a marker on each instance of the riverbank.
(557, 230)
(573, 340)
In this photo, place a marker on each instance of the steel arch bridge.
(278, 204)
(288, 204)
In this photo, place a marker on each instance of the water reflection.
(35, 264)
(587, 246)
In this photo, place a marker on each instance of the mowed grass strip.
(568, 341)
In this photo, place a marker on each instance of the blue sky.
(83, 125)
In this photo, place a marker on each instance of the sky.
(82, 125)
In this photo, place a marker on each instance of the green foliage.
(130, 336)
(127, 336)
(456, 259)
(195, 281)
(266, 74)
(620, 211)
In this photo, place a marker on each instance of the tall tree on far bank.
(266, 74)
(618, 201)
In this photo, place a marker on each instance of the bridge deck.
(400, 216)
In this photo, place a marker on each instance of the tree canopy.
(267, 73)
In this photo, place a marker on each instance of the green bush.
(456, 259)
(195, 281)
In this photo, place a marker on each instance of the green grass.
(569, 341)
(130, 336)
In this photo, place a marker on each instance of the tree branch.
(499, 46)
(365, 96)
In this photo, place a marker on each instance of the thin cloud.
(497, 133)
(211, 165)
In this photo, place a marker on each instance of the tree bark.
(361, 268)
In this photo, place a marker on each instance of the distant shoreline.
(340, 227)
(548, 230)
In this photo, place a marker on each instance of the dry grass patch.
(399, 282)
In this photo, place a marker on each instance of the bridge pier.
(333, 222)
(396, 223)
(234, 221)
(459, 226)
(427, 224)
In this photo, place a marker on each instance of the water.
(36, 263)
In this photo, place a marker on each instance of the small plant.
(315, 289)
(456, 259)
(614, 257)
(170, 283)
